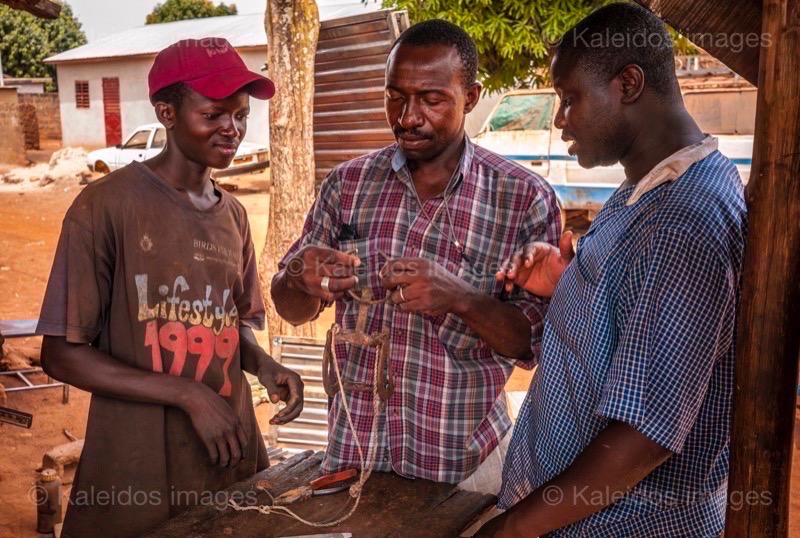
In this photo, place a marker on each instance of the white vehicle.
(149, 140)
(521, 128)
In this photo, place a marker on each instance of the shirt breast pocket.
(373, 254)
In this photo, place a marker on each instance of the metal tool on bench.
(318, 487)
(17, 418)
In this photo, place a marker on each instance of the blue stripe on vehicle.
(540, 157)
(741, 161)
(584, 196)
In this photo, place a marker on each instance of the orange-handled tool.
(315, 487)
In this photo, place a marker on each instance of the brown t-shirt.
(143, 275)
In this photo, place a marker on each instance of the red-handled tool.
(317, 487)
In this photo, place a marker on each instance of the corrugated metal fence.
(349, 119)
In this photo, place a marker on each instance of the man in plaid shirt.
(429, 217)
(625, 430)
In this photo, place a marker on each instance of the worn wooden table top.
(390, 506)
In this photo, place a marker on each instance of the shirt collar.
(673, 167)
(399, 165)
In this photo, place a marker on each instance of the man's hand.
(537, 267)
(282, 385)
(420, 285)
(218, 427)
(306, 270)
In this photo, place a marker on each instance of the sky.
(100, 18)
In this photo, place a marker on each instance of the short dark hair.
(172, 94)
(439, 32)
(618, 35)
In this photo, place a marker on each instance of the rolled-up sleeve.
(542, 223)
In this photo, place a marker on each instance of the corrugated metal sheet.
(309, 431)
(241, 30)
(349, 118)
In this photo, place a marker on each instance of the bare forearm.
(613, 463)
(252, 354)
(293, 305)
(92, 370)
(501, 325)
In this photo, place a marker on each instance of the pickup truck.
(520, 127)
(149, 140)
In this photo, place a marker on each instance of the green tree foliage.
(513, 36)
(179, 10)
(25, 41)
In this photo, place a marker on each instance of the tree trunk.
(292, 31)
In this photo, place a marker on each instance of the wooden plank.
(44, 9)
(379, 15)
(376, 61)
(351, 106)
(769, 319)
(365, 146)
(355, 51)
(365, 72)
(375, 124)
(391, 506)
(338, 156)
(353, 135)
(353, 29)
(348, 116)
(376, 84)
(348, 96)
(732, 34)
(375, 38)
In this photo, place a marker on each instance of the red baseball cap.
(209, 66)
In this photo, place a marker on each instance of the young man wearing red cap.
(151, 304)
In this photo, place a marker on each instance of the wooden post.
(769, 321)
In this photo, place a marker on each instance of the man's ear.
(473, 95)
(631, 80)
(165, 112)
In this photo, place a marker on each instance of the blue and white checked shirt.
(641, 329)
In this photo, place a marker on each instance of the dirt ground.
(29, 226)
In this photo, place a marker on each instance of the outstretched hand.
(284, 385)
(537, 267)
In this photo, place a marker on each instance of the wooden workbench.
(390, 506)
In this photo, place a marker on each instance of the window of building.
(81, 94)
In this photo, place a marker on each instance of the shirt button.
(386, 458)
(395, 413)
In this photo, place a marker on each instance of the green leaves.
(513, 36)
(25, 41)
(179, 10)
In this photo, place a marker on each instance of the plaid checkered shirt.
(641, 329)
(448, 410)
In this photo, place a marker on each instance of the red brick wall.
(12, 150)
(30, 125)
(48, 113)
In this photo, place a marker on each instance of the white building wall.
(80, 126)
(86, 126)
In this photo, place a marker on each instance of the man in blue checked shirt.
(625, 430)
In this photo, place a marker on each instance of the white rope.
(356, 489)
